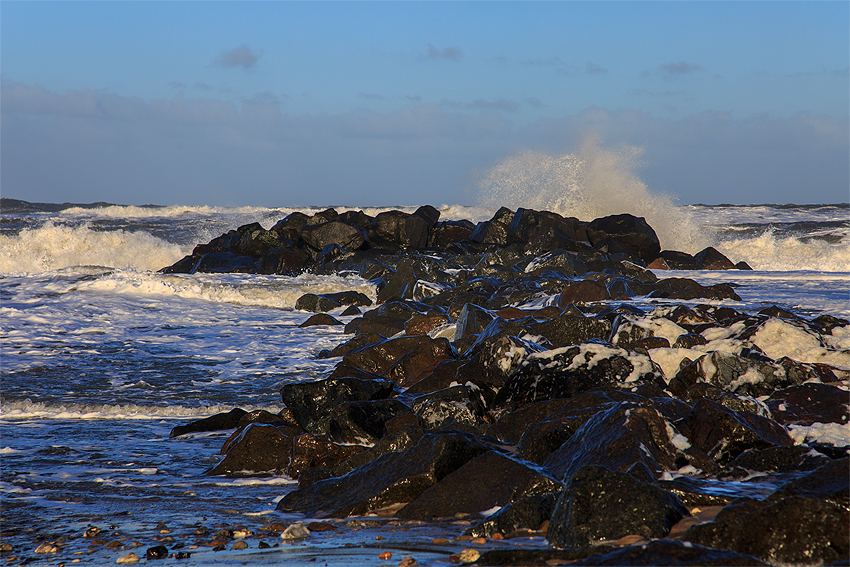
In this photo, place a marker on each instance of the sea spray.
(53, 247)
(593, 183)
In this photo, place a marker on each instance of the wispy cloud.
(678, 69)
(483, 104)
(241, 56)
(450, 53)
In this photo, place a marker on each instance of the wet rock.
(495, 359)
(711, 259)
(346, 236)
(571, 329)
(687, 289)
(257, 448)
(676, 260)
(724, 434)
(472, 320)
(314, 451)
(397, 229)
(584, 291)
(671, 552)
(400, 284)
(569, 371)
(495, 230)
(394, 478)
(624, 435)
(782, 459)
(329, 301)
(156, 552)
(311, 401)
(634, 232)
(381, 325)
(449, 232)
(540, 231)
(489, 480)
(443, 376)
(360, 422)
(461, 404)
(829, 482)
(424, 324)
(224, 262)
(419, 361)
(355, 342)
(308, 476)
(744, 376)
(511, 426)
(541, 439)
(795, 530)
(320, 319)
(398, 440)
(526, 513)
(257, 242)
(217, 422)
(127, 559)
(809, 403)
(598, 505)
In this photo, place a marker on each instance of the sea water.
(102, 356)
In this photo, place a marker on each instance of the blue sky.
(319, 103)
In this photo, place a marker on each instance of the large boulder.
(392, 479)
(634, 232)
(397, 229)
(312, 401)
(600, 505)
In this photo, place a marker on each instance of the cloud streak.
(447, 53)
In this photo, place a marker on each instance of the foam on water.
(29, 409)
(775, 253)
(53, 246)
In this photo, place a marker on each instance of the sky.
(405, 103)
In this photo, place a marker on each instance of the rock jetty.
(504, 377)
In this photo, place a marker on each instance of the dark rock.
(827, 322)
(711, 259)
(311, 401)
(293, 221)
(526, 513)
(398, 440)
(283, 260)
(782, 459)
(420, 361)
(360, 422)
(320, 319)
(400, 285)
(472, 320)
(744, 376)
(621, 436)
(394, 478)
(356, 342)
(670, 553)
(258, 448)
(689, 340)
(538, 557)
(584, 291)
(449, 232)
(569, 371)
(570, 329)
(598, 505)
(461, 404)
(567, 263)
(510, 426)
(306, 477)
(676, 260)
(541, 231)
(224, 262)
(156, 552)
(441, 377)
(703, 492)
(495, 230)
(381, 325)
(795, 530)
(397, 229)
(829, 482)
(687, 289)
(632, 231)
(355, 218)
(809, 403)
(429, 214)
(217, 422)
(257, 242)
(312, 451)
(489, 480)
(724, 434)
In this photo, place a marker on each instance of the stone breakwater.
(503, 377)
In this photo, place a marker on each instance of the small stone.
(182, 555)
(263, 545)
(240, 545)
(295, 531)
(46, 548)
(479, 540)
(385, 555)
(379, 538)
(92, 532)
(156, 552)
(5, 547)
(497, 537)
(129, 558)
(440, 541)
(241, 533)
(408, 562)
(468, 556)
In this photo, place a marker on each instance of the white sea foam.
(53, 247)
(28, 409)
(775, 253)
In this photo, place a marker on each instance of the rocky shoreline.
(505, 378)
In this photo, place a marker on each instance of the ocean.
(102, 356)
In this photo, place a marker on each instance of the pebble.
(156, 552)
(468, 556)
(46, 548)
(440, 541)
(129, 558)
(385, 555)
(295, 531)
(5, 547)
(239, 545)
(92, 532)
(408, 562)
